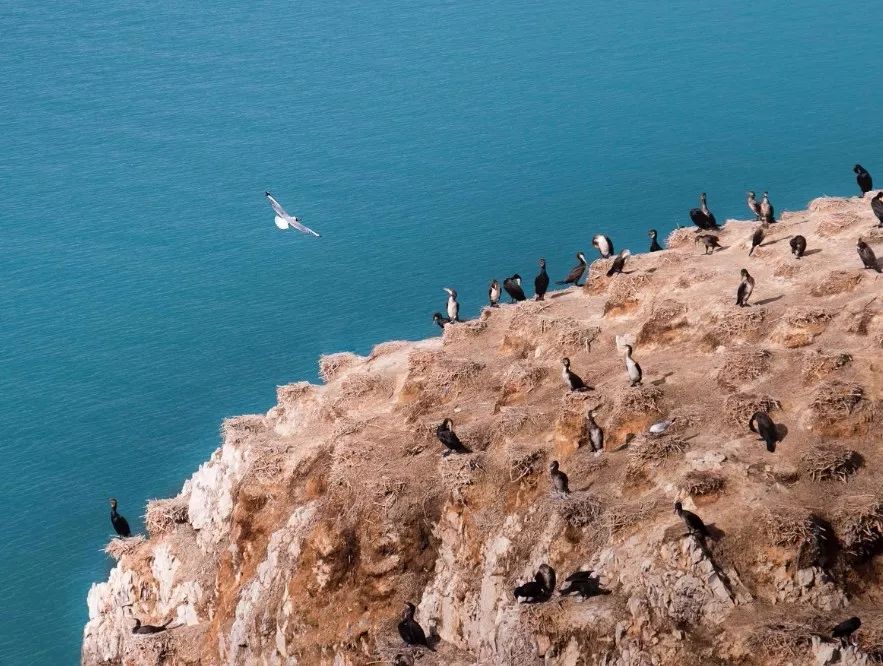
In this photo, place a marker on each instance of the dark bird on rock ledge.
(761, 423)
(846, 628)
(654, 244)
(539, 589)
(559, 479)
(753, 206)
(410, 631)
(447, 436)
(440, 320)
(746, 286)
(693, 522)
(869, 259)
(120, 524)
(493, 294)
(701, 216)
(512, 285)
(541, 282)
(576, 273)
(596, 435)
(149, 628)
(756, 239)
(574, 381)
(603, 244)
(877, 207)
(632, 368)
(767, 214)
(710, 242)
(618, 263)
(798, 246)
(863, 178)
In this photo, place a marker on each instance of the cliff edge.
(302, 536)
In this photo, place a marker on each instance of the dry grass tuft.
(859, 526)
(830, 462)
(818, 364)
(464, 330)
(683, 237)
(163, 514)
(740, 406)
(124, 546)
(692, 277)
(666, 318)
(785, 640)
(786, 525)
(701, 482)
(743, 364)
(623, 291)
(331, 365)
(836, 282)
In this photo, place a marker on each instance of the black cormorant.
(453, 305)
(410, 631)
(576, 273)
(596, 435)
(574, 381)
(877, 207)
(693, 522)
(761, 423)
(863, 178)
(798, 246)
(493, 294)
(447, 436)
(440, 320)
(618, 263)
(746, 286)
(845, 629)
(120, 524)
(869, 259)
(539, 589)
(149, 628)
(512, 285)
(701, 216)
(654, 244)
(767, 214)
(710, 241)
(541, 282)
(753, 206)
(559, 479)
(756, 239)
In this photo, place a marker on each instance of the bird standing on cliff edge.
(409, 629)
(120, 524)
(863, 178)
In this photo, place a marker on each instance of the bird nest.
(124, 546)
(830, 462)
(163, 514)
(836, 223)
(859, 526)
(525, 463)
(745, 325)
(743, 365)
(654, 450)
(666, 318)
(694, 276)
(840, 408)
(808, 317)
(331, 365)
(785, 640)
(622, 294)
(682, 237)
(520, 379)
(466, 330)
(786, 525)
(580, 510)
(561, 334)
(740, 406)
(818, 364)
(701, 482)
(836, 282)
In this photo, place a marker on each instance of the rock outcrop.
(301, 537)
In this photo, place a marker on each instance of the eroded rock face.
(311, 525)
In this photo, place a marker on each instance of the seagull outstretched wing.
(284, 220)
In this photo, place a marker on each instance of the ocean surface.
(145, 293)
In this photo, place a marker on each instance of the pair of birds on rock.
(542, 587)
(576, 383)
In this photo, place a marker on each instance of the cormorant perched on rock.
(763, 425)
(574, 381)
(753, 205)
(632, 367)
(149, 628)
(120, 524)
(584, 583)
(654, 244)
(559, 479)
(863, 178)
(693, 522)
(512, 285)
(447, 436)
(756, 239)
(877, 207)
(541, 282)
(869, 259)
(539, 589)
(845, 629)
(440, 320)
(710, 242)
(603, 244)
(798, 246)
(576, 273)
(410, 631)
(746, 286)
(493, 294)
(767, 214)
(618, 263)
(453, 305)
(596, 435)
(701, 216)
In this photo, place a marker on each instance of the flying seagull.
(284, 220)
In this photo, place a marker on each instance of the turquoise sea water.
(145, 293)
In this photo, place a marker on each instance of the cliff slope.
(298, 542)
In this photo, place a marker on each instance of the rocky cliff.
(301, 537)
